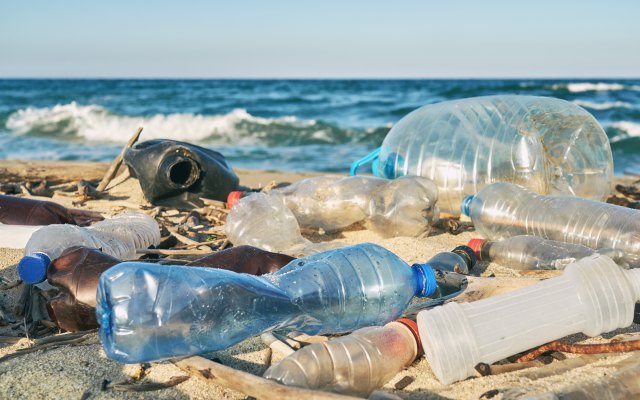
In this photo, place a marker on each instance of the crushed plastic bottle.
(592, 296)
(120, 237)
(149, 312)
(504, 210)
(526, 252)
(355, 364)
(21, 211)
(75, 274)
(401, 207)
(548, 145)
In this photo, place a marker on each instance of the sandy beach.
(83, 371)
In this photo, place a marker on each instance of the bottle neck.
(424, 280)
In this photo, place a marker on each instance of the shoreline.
(80, 371)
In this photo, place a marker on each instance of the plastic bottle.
(549, 145)
(402, 207)
(179, 174)
(21, 211)
(503, 210)
(149, 312)
(592, 296)
(533, 252)
(119, 237)
(355, 364)
(75, 274)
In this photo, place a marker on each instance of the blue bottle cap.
(426, 280)
(33, 269)
(465, 206)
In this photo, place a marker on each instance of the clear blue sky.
(326, 38)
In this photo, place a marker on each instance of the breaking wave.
(238, 127)
(579, 87)
(603, 106)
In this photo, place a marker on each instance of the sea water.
(294, 125)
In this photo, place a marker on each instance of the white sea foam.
(95, 123)
(578, 87)
(603, 106)
(631, 129)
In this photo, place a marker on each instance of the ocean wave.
(622, 130)
(603, 106)
(579, 87)
(238, 127)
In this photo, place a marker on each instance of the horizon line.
(316, 78)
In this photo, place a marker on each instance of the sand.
(83, 371)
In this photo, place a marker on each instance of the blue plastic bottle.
(150, 312)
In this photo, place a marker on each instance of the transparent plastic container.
(549, 145)
(526, 252)
(16, 236)
(504, 210)
(355, 364)
(402, 207)
(119, 237)
(149, 312)
(592, 296)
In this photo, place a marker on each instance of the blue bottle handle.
(373, 156)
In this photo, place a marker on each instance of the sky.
(321, 39)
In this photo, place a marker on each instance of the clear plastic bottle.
(150, 312)
(16, 236)
(504, 210)
(355, 364)
(533, 252)
(119, 237)
(549, 145)
(402, 207)
(592, 296)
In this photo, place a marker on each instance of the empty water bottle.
(120, 237)
(503, 210)
(402, 207)
(355, 364)
(592, 296)
(21, 211)
(534, 252)
(75, 274)
(150, 312)
(549, 145)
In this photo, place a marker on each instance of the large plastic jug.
(548, 145)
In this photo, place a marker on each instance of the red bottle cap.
(233, 198)
(476, 246)
(413, 327)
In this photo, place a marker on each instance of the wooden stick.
(250, 384)
(617, 347)
(113, 168)
(148, 387)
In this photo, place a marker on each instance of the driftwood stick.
(617, 347)
(250, 384)
(148, 387)
(113, 168)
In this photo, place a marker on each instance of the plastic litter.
(119, 237)
(402, 207)
(548, 145)
(527, 252)
(149, 312)
(21, 211)
(76, 272)
(179, 174)
(592, 296)
(504, 210)
(355, 364)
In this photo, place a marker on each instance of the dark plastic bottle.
(178, 174)
(20, 211)
(76, 272)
